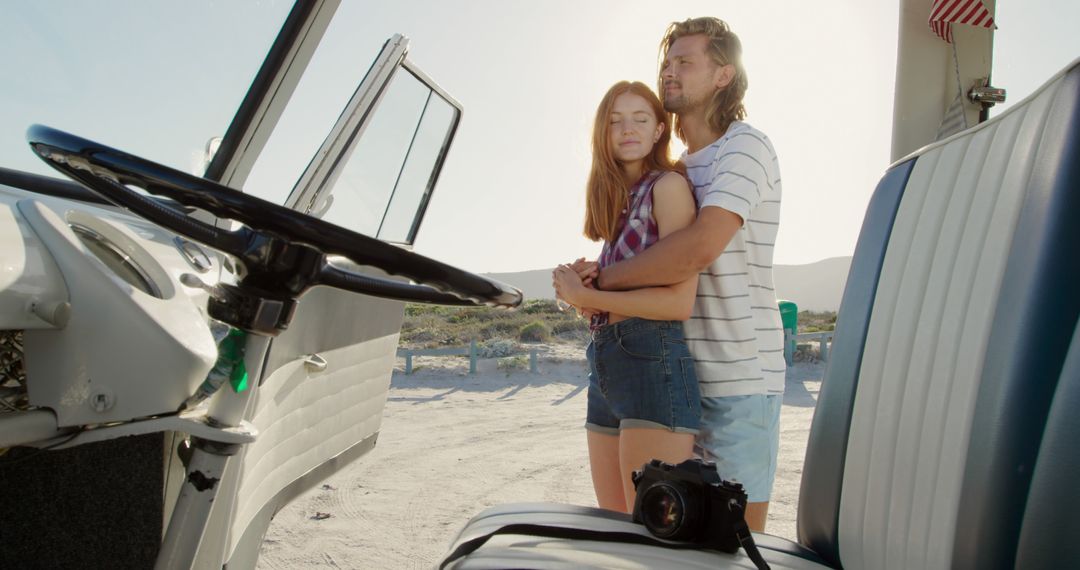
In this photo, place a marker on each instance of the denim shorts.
(741, 434)
(641, 375)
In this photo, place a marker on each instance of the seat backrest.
(949, 342)
(1051, 526)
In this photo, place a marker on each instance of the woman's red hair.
(606, 192)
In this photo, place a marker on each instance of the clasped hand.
(571, 279)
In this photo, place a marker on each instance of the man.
(735, 333)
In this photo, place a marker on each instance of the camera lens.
(667, 512)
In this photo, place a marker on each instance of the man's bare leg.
(756, 514)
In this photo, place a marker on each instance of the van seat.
(952, 336)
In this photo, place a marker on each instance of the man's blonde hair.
(724, 48)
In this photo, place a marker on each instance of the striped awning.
(945, 13)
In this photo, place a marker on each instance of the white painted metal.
(18, 428)
(156, 350)
(926, 75)
(28, 274)
(206, 471)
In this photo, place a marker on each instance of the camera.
(689, 502)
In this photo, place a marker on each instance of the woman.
(643, 400)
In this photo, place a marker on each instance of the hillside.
(813, 286)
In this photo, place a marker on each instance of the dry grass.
(538, 320)
(428, 326)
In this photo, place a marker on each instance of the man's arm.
(678, 256)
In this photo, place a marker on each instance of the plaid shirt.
(637, 231)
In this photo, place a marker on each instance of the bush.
(536, 331)
(414, 309)
(430, 326)
(497, 329)
(811, 321)
(539, 306)
(496, 348)
(421, 336)
(570, 325)
(512, 363)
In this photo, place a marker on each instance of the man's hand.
(586, 270)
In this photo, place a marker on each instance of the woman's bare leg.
(606, 474)
(638, 446)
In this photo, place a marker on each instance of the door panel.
(326, 378)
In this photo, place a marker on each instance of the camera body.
(689, 502)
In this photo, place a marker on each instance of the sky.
(529, 76)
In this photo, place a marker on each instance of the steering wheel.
(271, 235)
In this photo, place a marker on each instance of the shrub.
(811, 321)
(421, 336)
(496, 348)
(536, 331)
(539, 306)
(458, 318)
(512, 363)
(569, 325)
(497, 329)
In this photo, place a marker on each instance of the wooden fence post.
(408, 362)
(472, 356)
(532, 361)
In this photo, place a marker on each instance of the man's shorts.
(641, 375)
(741, 434)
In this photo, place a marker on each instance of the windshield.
(156, 79)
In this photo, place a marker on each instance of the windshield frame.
(270, 92)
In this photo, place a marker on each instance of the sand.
(453, 444)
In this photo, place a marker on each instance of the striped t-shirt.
(735, 332)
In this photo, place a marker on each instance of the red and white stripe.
(944, 13)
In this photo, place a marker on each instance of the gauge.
(121, 264)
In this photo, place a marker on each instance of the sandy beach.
(453, 444)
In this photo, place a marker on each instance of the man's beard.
(676, 104)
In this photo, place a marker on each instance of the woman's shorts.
(641, 375)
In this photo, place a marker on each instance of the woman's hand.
(568, 284)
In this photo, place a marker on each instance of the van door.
(326, 377)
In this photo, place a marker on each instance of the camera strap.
(747, 541)
(467, 547)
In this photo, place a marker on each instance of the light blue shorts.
(741, 434)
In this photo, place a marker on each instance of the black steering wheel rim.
(107, 171)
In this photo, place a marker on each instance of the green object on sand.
(789, 315)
